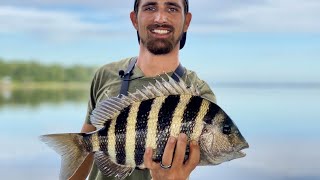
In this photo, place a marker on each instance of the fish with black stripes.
(126, 125)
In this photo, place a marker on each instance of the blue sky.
(228, 41)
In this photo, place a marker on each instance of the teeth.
(160, 31)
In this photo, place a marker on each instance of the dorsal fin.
(111, 107)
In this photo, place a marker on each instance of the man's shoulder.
(192, 76)
(202, 85)
(110, 72)
(115, 65)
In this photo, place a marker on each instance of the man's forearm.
(84, 169)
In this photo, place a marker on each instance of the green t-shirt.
(106, 83)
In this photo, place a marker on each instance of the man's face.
(161, 24)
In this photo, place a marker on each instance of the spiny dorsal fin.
(111, 107)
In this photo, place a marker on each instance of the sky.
(228, 41)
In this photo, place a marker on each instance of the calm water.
(280, 124)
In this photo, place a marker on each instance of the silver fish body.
(147, 118)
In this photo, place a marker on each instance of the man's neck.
(152, 65)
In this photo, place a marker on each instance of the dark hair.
(136, 5)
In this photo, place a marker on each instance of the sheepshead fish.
(126, 125)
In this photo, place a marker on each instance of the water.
(280, 124)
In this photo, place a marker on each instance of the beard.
(160, 46)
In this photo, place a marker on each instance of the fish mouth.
(239, 152)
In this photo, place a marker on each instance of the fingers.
(180, 150)
(175, 148)
(168, 151)
(147, 158)
(194, 156)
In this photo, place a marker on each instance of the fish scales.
(141, 129)
(129, 151)
(103, 137)
(87, 142)
(176, 114)
(127, 125)
(165, 117)
(174, 107)
(120, 133)
(198, 122)
(190, 114)
(112, 140)
(131, 132)
(95, 142)
(153, 121)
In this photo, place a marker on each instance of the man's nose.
(160, 17)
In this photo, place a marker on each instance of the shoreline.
(44, 85)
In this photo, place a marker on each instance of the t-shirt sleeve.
(93, 96)
(206, 91)
(203, 87)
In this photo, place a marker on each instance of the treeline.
(36, 97)
(23, 71)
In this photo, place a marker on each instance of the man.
(161, 27)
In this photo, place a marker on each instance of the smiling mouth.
(161, 31)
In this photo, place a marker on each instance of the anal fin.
(109, 168)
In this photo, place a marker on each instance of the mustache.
(166, 26)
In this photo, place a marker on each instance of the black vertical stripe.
(164, 122)
(141, 130)
(120, 133)
(190, 114)
(87, 141)
(103, 136)
(211, 113)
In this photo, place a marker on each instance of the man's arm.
(84, 169)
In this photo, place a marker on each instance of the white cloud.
(78, 19)
(267, 16)
(97, 4)
(55, 24)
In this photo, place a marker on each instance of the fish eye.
(226, 129)
(205, 130)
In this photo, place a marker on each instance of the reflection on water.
(34, 97)
(280, 124)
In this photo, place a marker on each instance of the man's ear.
(187, 21)
(134, 21)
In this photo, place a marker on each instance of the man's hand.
(178, 169)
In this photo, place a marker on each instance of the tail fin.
(70, 147)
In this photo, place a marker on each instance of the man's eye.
(173, 9)
(150, 9)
